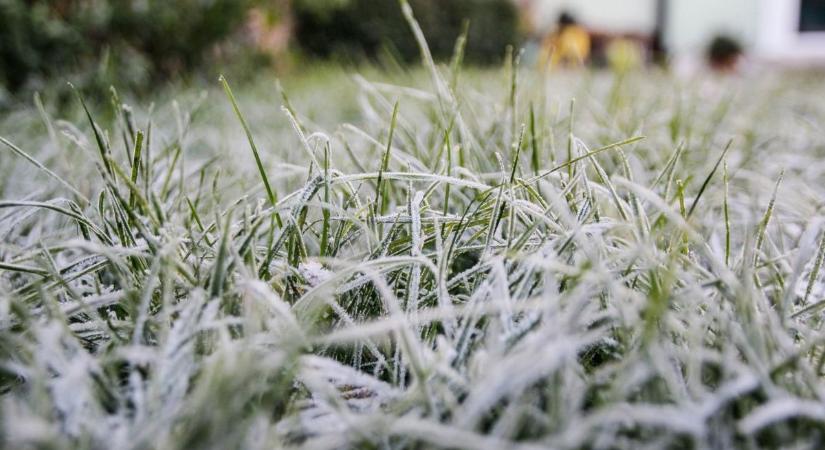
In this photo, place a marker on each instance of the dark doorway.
(812, 15)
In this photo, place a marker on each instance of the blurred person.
(724, 54)
(568, 45)
(624, 54)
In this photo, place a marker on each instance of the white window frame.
(779, 37)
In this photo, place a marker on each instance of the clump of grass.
(431, 272)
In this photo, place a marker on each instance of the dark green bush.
(362, 28)
(128, 42)
(176, 35)
(33, 40)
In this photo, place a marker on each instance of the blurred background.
(135, 44)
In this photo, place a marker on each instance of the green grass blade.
(273, 199)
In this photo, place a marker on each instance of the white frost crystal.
(314, 272)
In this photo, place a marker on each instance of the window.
(812, 15)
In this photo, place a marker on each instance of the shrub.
(363, 28)
(140, 40)
(177, 35)
(723, 51)
(33, 40)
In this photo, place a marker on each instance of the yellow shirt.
(568, 46)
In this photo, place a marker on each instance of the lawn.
(487, 258)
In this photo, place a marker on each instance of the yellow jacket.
(568, 46)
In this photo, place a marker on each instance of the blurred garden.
(412, 224)
(136, 44)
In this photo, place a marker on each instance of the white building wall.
(692, 24)
(607, 15)
(767, 28)
(778, 38)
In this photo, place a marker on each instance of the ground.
(391, 258)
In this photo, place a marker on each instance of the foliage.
(466, 262)
(33, 41)
(723, 47)
(129, 42)
(359, 28)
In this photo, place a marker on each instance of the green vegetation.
(130, 43)
(422, 259)
(137, 44)
(376, 29)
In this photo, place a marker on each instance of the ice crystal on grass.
(426, 275)
(314, 272)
